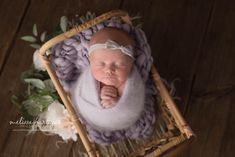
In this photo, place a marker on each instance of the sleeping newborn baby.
(109, 95)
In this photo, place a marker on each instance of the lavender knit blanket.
(70, 58)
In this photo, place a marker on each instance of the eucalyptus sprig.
(35, 39)
(39, 95)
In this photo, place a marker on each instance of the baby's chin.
(110, 82)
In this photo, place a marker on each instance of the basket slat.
(183, 126)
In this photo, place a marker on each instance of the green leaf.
(15, 101)
(31, 107)
(55, 96)
(37, 104)
(43, 36)
(35, 31)
(29, 38)
(34, 73)
(36, 46)
(45, 100)
(35, 82)
(49, 86)
(63, 23)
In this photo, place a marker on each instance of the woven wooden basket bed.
(171, 132)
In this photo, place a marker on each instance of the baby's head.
(111, 56)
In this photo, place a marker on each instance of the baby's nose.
(110, 69)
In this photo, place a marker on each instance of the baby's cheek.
(97, 74)
(123, 74)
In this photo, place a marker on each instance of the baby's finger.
(106, 97)
(107, 104)
(110, 89)
(108, 93)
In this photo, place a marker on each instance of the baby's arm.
(109, 96)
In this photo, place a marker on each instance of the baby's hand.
(109, 96)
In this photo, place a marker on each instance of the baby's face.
(109, 67)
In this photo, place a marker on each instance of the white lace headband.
(110, 44)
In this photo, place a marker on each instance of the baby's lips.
(109, 77)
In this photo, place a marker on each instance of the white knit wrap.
(125, 112)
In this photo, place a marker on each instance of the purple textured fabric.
(70, 57)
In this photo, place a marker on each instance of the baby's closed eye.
(121, 65)
(100, 64)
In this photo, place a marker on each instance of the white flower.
(57, 122)
(37, 61)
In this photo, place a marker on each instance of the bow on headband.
(110, 44)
